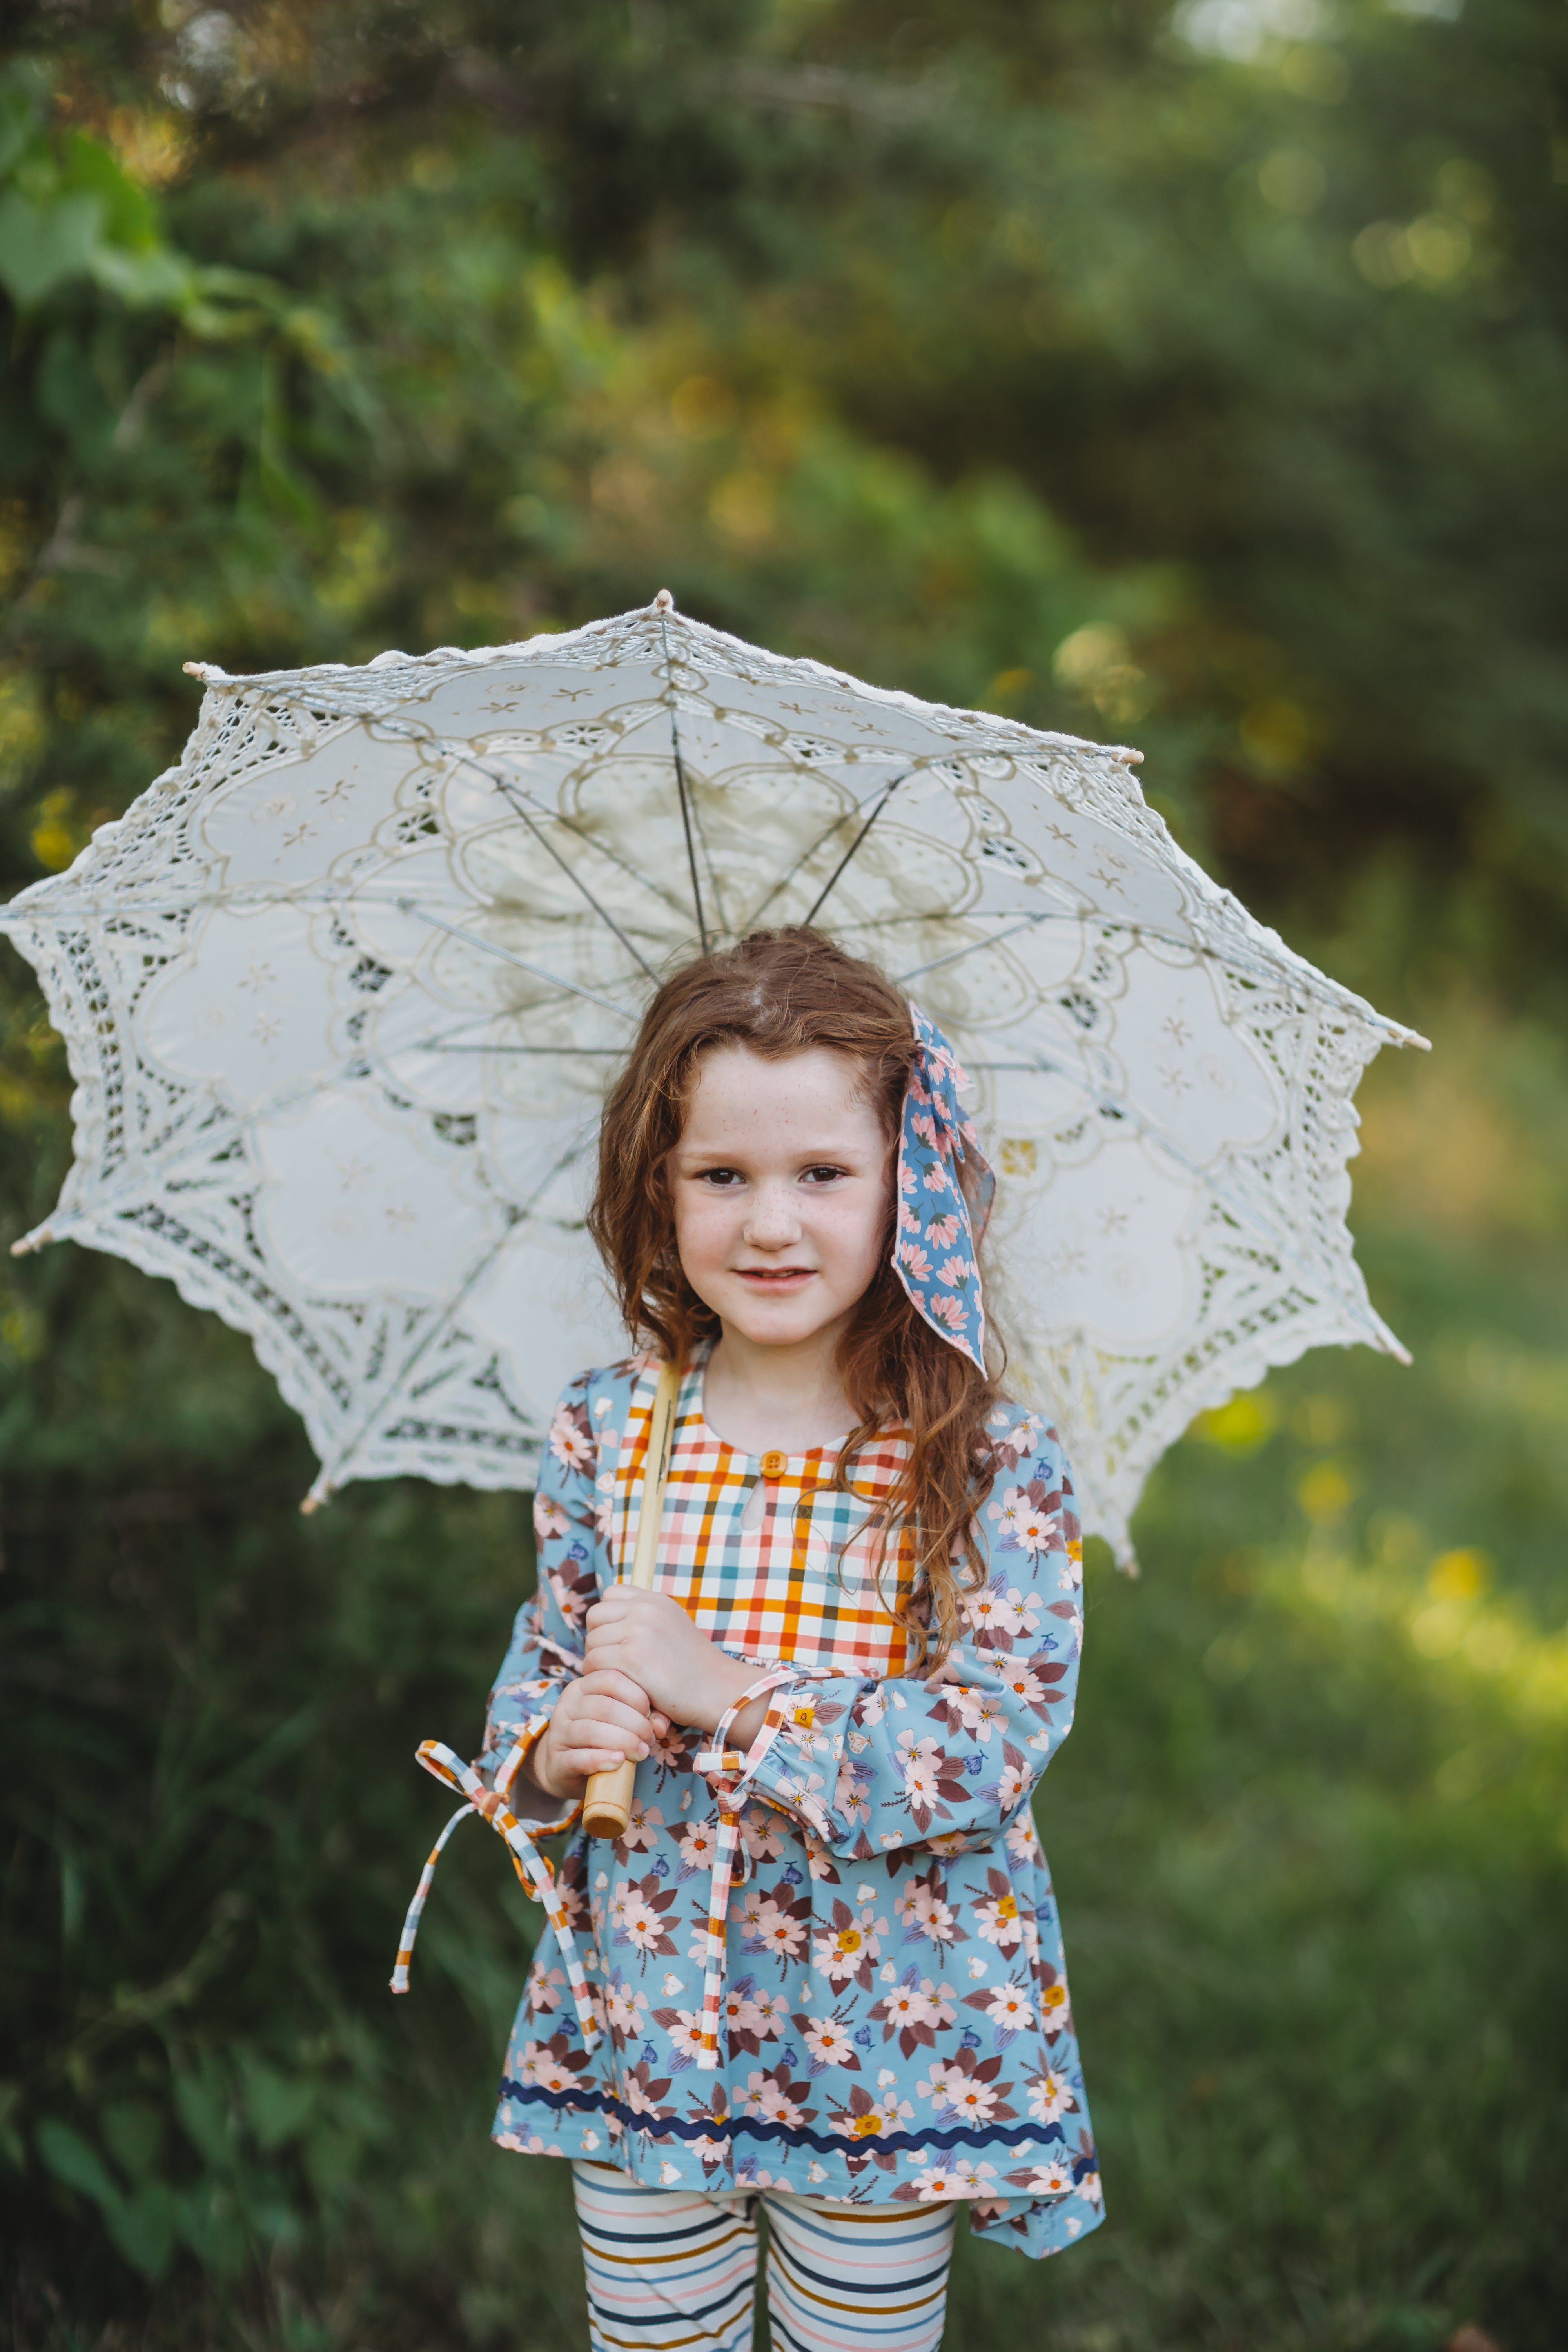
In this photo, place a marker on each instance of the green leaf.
(142, 2227)
(277, 2105)
(134, 2131)
(145, 277)
(75, 2160)
(42, 245)
(330, 2157)
(203, 2101)
(18, 118)
(89, 169)
(72, 399)
(209, 2222)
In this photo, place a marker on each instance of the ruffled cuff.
(507, 1750)
(770, 1767)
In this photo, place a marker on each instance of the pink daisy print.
(827, 2042)
(569, 1439)
(549, 1518)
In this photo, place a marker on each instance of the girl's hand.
(649, 1638)
(600, 1720)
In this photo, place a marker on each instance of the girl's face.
(780, 1184)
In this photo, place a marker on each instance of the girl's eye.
(824, 1175)
(721, 1178)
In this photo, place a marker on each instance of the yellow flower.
(863, 2126)
(848, 1938)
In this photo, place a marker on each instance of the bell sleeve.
(870, 1765)
(547, 1637)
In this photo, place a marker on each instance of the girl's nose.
(774, 1221)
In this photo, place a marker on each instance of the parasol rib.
(832, 882)
(461, 753)
(939, 963)
(1316, 988)
(329, 1474)
(515, 800)
(803, 860)
(491, 947)
(592, 1053)
(680, 787)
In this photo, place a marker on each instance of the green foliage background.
(1195, 377)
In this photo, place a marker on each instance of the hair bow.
(933, 1241)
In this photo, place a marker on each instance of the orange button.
(774, 1465)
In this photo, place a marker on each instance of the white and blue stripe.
(674, 2271)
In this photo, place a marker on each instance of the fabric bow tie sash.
(726, 1771)
(530, 1865)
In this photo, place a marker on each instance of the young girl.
(821, 1971)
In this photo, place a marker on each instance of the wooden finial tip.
(664, 602)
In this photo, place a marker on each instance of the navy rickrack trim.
(792, 2135)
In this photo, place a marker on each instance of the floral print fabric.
(896, 2020)
(933, 1240)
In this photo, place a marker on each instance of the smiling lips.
(777, 1277)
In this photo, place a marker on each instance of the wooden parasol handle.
(607, 1800)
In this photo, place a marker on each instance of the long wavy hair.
(781, 992)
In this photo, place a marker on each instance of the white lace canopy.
(343, 993)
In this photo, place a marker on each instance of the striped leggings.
(668, 2269)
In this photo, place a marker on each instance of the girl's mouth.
(777, 1277)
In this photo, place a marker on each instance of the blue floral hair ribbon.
(933, 1240)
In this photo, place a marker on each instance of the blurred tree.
(1260, 301)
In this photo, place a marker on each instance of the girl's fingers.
(606, 1731)
(608, 1682)
(598, 1709)
(604, 1720)
(582, 1763)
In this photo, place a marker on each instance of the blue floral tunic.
(894, 2022)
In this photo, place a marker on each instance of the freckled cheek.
(706, 1230)
(849, 1244)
